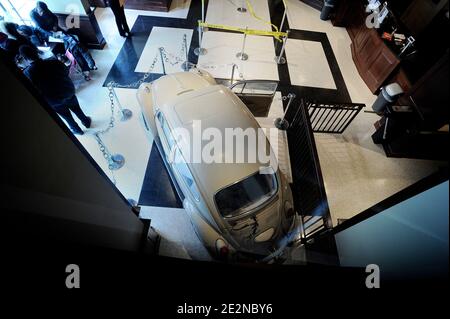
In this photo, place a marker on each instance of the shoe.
(87, 78)
(123, 35)
(88, 123)
(129, 35)
(77, 132)
(95, 68)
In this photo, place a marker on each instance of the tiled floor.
(357, 174)
(222, 49)
(308, 65)
(225, 12)
(169, 39)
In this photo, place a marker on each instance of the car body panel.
(183, 100)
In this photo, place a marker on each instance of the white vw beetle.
(236, 211)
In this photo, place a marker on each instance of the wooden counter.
(376, 62)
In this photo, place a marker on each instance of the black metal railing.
(310, 198)
(332, 118)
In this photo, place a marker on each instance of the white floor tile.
(222, 49)
(304, 17)
(171, 39)
(308, 65)
(224, 12)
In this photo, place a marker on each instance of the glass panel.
(262, 87)
(256, 87)
(246, 195)
(184, 171)
(166, 130)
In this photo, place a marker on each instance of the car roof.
(218, 108)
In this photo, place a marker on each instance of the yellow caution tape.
(277, 35)
(252, 12)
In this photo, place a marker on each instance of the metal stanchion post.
(233, 70)
(283, 20)
(282, 123)
(242, 8)
(200, 51)
(242, 55)
(281, 59)
(186, 66)
(126, 113)
(162, 60)
(116, 161)
(203, 11)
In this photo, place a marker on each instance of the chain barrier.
(117, 161)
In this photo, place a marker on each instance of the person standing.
(36, 36)
(10, 46)
(51, 79)
(44, 19)
(118, 8)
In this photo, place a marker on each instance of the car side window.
(166, 130)
(185, 172)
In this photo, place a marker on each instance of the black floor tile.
(158, 189)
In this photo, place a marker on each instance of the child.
(81, 55)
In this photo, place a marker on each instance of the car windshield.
(246, 195)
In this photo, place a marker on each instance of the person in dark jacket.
(13, 43)
(118, 8)
(11, 29)
(36, 36)
(51, 79)
(44, 19)
(10, 46)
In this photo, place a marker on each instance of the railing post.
(116, 161)
(200, 50)
(281, 123)
(162, 60)
(281, 59)
(283, 20)
(186, 66)
(233, 70)
(242, 55)
(126, 113)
